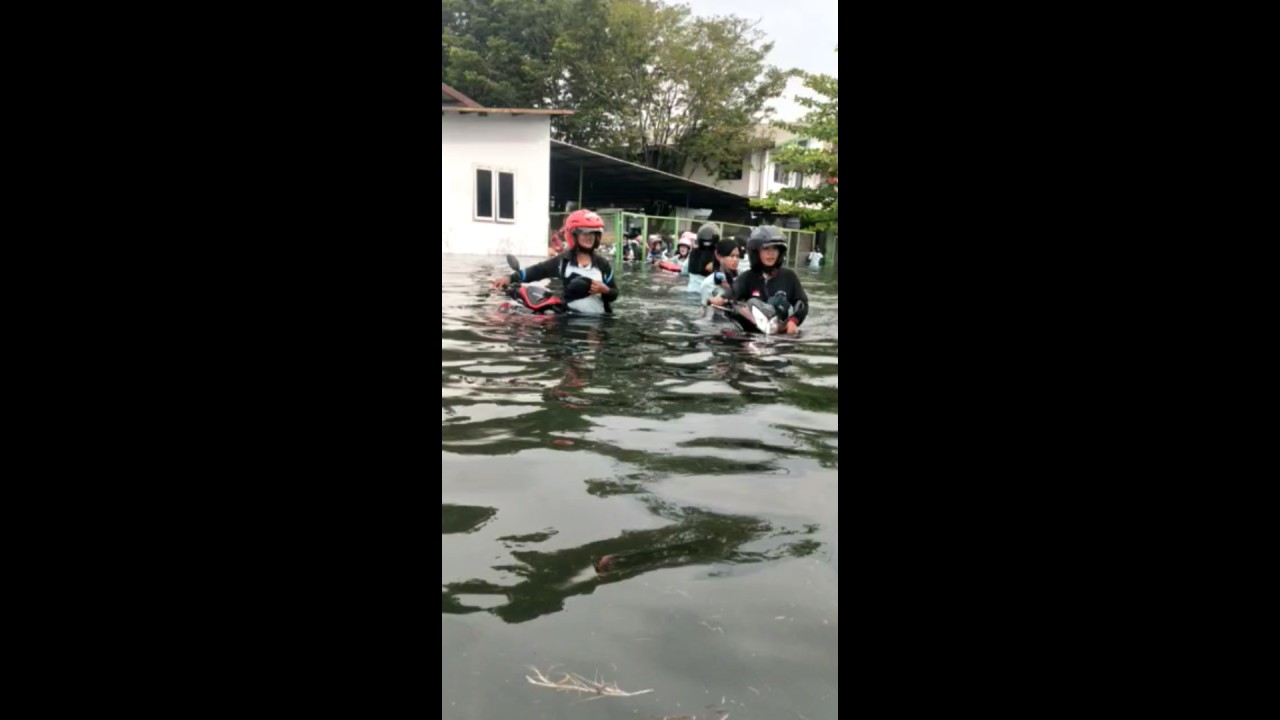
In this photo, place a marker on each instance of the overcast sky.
(805, 34)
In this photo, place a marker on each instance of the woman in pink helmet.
(685, 246)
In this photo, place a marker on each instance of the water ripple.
(651, 492)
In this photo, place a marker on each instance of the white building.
(759, 175)
(495, 170)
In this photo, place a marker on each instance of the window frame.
(495, 196)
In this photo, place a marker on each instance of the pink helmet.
(688, 240)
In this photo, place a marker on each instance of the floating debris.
(573, 682)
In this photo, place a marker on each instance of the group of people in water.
(700, 244)
(711, 262)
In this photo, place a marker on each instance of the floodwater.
(703, 463)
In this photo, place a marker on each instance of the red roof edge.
(468, 102)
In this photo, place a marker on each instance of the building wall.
(697, 173)
(520, 145)
(767, 182)
(757, 176)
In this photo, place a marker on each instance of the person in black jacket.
(702, 259)
(589, 287)
(633, 249)
(767, 278)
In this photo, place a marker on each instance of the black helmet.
(763, 237)
(708, 232)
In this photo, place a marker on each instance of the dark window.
(506, 196)
(484, 194)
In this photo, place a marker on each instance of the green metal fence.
(800, 242)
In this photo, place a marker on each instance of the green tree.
(602, 60)
(648, 81)
(700, 94)
(498, 52)
(818, 208)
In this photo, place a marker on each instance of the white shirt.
(591, 304)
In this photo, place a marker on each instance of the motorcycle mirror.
(513, 262)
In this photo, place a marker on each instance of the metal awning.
(609, 182)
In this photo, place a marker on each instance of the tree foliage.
(498, 52)
(818, 208)
(648, 81)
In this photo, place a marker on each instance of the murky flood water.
(701, 465)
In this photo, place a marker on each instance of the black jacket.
(555, 268)
(754, 283)
(703, 252)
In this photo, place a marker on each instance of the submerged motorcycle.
(534, 298)
(540, 300)
(764, 318)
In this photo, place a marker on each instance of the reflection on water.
(547, 578)
(460, 519)
(650, 496)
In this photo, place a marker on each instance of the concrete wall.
(502, 143)
(697, 173)
(757, 176)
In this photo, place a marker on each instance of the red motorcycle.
(537, 299)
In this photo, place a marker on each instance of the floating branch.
(573, 682)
